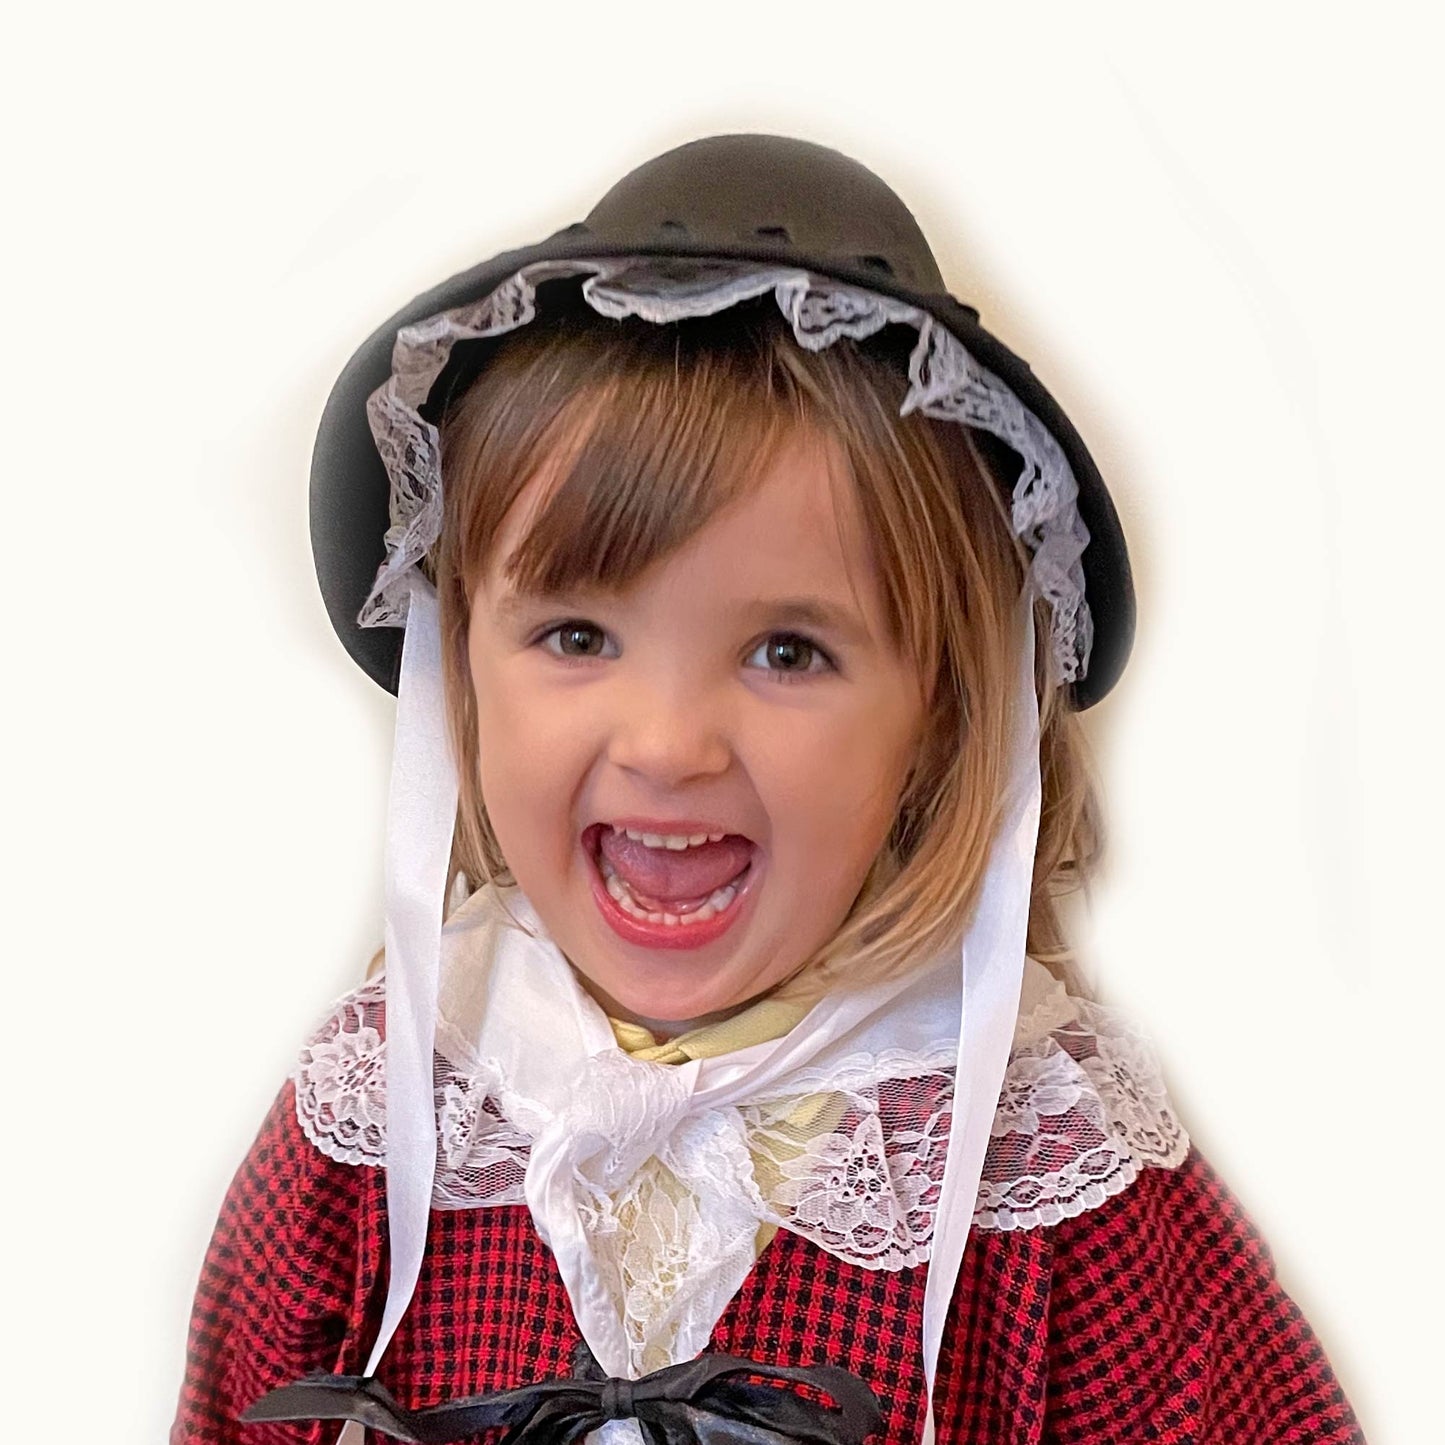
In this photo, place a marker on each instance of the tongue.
(665, 876)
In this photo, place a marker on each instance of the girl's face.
(744, 686)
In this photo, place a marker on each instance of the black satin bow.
(697, 1403)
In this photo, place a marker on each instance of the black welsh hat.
(752, 198)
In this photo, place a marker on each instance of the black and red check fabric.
(1155, 1317)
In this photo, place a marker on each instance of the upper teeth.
(675, 841)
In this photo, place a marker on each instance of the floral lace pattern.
(946, 383)
(1081, 1111)
(341, 1081)
(854, 1165)
(670, 1196)
(673, 1230)
(857, 1170)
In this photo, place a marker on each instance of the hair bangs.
(645, 463)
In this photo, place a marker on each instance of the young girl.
(750, 591)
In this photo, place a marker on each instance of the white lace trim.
(1082, 1110)
(946, 383)
(853, 1164)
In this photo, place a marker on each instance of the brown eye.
(575, 639)
(787, 657)
(580, 640)
(789, 654)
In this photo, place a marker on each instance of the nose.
(669, 731)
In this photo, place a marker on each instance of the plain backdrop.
(1215, 233)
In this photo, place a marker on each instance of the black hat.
(756, 198)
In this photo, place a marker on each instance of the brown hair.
(661, 427)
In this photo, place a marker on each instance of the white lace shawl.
(669, 1198)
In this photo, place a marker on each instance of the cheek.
(525, 767)
(509, 753)
(840, 789)
(520, 738)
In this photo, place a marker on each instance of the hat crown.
(766, 192)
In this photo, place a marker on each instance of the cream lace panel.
(852, 1161)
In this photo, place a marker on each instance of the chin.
(681, 1004)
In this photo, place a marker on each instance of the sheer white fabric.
(945, 383)
(847, 1152)
(1083, 1108)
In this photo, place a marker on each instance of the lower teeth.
(716, 902)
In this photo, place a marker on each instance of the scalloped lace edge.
(1087, 1097)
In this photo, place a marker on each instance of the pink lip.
(665, 935)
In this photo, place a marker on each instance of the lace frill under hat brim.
(945, 383)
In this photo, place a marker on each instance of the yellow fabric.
(766, 1020)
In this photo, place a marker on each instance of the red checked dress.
(1154, 1315)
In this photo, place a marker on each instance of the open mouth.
(669, 891)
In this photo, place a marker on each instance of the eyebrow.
(817, 613)
(814, 612)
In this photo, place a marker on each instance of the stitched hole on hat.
(774, 233)
(876, 263)
(672, 228)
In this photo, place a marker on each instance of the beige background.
(1216, 238)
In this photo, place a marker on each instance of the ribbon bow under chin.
(696, 1403)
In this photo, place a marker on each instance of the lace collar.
(843, 1144)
